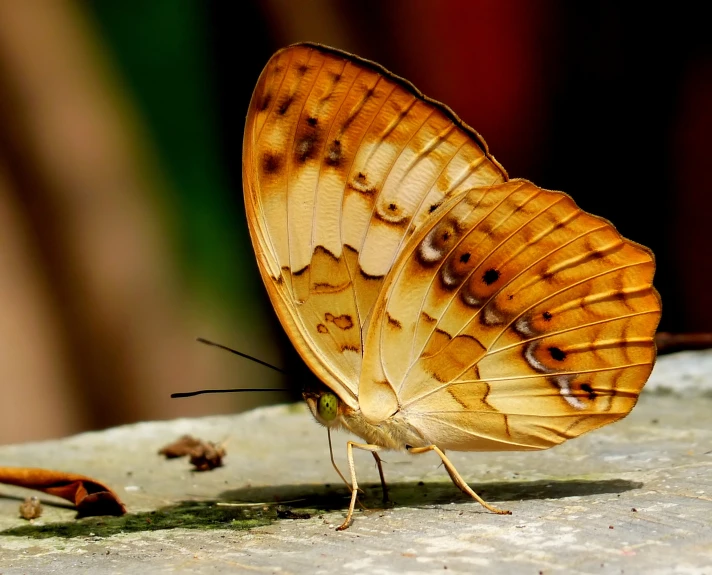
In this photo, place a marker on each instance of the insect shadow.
(251, 507)
(417, 494)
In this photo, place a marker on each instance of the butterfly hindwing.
(513, 320)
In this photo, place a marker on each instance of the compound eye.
(328, 406)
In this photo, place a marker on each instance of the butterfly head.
(325, 406)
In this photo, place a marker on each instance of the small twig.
(667, 342)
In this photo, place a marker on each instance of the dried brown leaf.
(204, 455)
(88, 495)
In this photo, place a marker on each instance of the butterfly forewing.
(343, 162)
(514, 320)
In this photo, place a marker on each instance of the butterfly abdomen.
(392, 433)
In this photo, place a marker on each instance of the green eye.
(328, 406)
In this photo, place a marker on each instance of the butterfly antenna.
(246, 356)
(234, 390)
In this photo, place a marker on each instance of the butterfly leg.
(384, 487)
(457, 479)
(354, 484)
(333, 463)
(336, 468)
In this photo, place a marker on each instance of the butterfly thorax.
(391, 433)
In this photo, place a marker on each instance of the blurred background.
(122, 229)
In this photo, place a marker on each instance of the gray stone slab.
(633, 497)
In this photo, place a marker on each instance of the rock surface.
(633, 497)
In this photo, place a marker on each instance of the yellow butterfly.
(444, 305)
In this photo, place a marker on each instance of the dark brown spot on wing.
(455, 270)
(360, 184)
(342, 321)
(284, 106)
(321, 328)
(368, 192)
(326, 287)
(393, 321)
(443, 332)
(319, 249)
(306, 148)
(557, 354)
(391, 217)
(548, 275)
(333, 154)
(368, 276)
(265, 102)
(594, 252)
(271, 163)
(437, 243)
(427, 318)
(586, 387)
(490, 276)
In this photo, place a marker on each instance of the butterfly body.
(394, 433)
(443, 305)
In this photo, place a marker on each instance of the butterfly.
(443, 305)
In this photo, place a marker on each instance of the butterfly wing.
(342, 163)
(514, 320)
